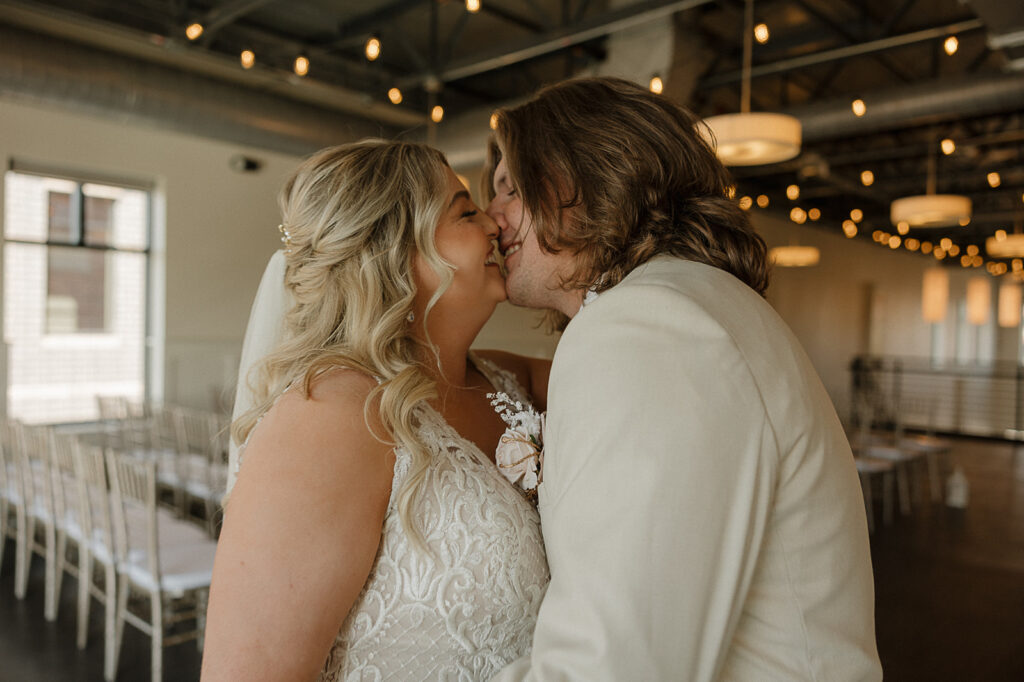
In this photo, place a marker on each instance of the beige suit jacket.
(700, 505)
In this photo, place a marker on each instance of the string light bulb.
(761, 33)
(473, 6)
(798, 215)
(762, 201)
(372, 49)
(814, 213)
(746, 202)
(947, 146)
(193, 30)
(867, 178)
(850, 230)
(858, 107)
(247, 58)
(856, 215)
(793, 192)
(301, 66)
(994, 180)
(437, 113)
(657, 85)
(950, 45)
(395, 95)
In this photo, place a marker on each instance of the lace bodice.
(467, 609)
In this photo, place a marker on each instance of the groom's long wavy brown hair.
(617, 175)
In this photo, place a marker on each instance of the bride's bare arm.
(532, 373)
(300, 535)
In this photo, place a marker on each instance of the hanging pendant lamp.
(749, 138)
(931, 209)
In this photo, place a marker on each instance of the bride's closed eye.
(469, 214)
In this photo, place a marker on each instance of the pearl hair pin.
(286, 238)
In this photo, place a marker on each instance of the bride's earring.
(410, 317)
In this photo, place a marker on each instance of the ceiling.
(821, 54)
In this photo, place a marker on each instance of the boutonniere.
(520, 452)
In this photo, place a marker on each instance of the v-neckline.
(470, 444)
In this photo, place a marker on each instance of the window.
(75, 272)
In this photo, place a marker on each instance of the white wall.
(216, 230)
(219, 227)
(866, 298)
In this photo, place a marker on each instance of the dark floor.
(949, 591)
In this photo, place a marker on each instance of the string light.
(248, 58)
(814, 213)
(193, 31)
(850, 230)
(856, 215)
(762, 201)
(761, 33)
(1000, 235)
(395, 95)
(903, 227)
(953, 250)
(746, 202)
(926, 247)
(939, 253)
(493, 123)
(946, 243)
(859, 108)
(994, 180)
(912, 244)
(301, 66)
(793, 192)
(473, 6)
(798, 215)
(372, 48)
(867, 178)
(950, 45)
(437, 113)
(947, 146)
(657, 85)
(895, 241)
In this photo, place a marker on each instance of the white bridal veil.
(265, 329)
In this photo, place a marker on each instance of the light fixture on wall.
(931, 209)
(935, 294)
(979, 299)
(752, 138)
(1009, 305)
(794, 256)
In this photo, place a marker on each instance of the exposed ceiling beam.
(226, 12)
(559, 39)
(839, 53)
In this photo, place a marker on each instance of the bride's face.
(466, 238)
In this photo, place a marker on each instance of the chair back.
(9, 479)
(193, 428)
(133, 492)
(32, 455)
(66, 500)
(94, 491)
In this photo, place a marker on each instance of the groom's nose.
(496, 211)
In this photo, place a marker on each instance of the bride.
(369, 534)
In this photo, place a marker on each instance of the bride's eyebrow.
(458, 195)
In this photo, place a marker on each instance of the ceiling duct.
(1005, 23)
(39, 69)
(914, 105)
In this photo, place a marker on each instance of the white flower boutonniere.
(520, 453)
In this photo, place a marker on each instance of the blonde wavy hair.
(357, 214)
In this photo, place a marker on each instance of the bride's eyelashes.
(469, 214)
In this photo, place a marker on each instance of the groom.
(700, 504)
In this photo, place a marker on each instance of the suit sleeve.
(659, 474)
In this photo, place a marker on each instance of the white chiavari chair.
(33, 459)
(174, 575)
(11, 494)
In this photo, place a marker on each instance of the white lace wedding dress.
(467, 609)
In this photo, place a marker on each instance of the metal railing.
(915, 393)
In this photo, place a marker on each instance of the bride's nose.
(491, 228)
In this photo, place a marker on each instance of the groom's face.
(532, 274)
